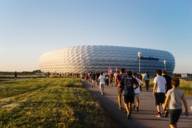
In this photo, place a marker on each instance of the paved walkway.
(145, 118)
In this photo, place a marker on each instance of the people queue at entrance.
(167, 94)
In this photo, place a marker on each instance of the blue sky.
(29, 28)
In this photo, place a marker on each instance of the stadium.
(98, 58)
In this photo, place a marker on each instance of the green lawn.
(49, 103)
(186, 86)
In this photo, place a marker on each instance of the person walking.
(93, 80)
(127, 81)
(168, 80)
(168, 86)
(111, 78)
(137, 90)
(117, 78)
(146, 80)
(15, 75)
(159, 90)
(106, 79)
(174, 99)
(101, 83)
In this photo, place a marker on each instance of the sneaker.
(158, 115)
(128, 116)
(134, 107)
(120, 108)
(137, 109)
(166, 114)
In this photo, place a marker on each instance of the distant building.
(96, 58)
(186, 76)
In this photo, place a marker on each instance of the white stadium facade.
(98, 58)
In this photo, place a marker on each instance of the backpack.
(128, 85)
(123, 81)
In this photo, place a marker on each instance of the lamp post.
(139, 54)
(165, 62)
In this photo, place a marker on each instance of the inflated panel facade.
(80, 59)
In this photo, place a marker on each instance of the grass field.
(186, 86)
(49, 103)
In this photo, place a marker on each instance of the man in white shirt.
(101, 83)
(159, 90)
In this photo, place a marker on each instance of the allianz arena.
(96, 58)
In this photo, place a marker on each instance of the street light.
(139, 54)
(165, 62)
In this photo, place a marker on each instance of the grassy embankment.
(49, 103)
(186, 86)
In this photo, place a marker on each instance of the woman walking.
(101, 83)
(137, 90)
(117, 77)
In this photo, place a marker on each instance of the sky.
(29, 28)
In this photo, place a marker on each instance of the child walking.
(174, 99)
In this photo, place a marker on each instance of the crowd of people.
(167, 94)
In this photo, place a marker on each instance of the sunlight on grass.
(50, 103)
(186, 86)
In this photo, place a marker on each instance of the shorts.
(174, 115)
(159, 98)
(119, 91)
(137, 95)
(101, 85)
(129, 98)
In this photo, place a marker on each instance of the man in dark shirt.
(128, 83)
(168, 80)
(168, 86)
